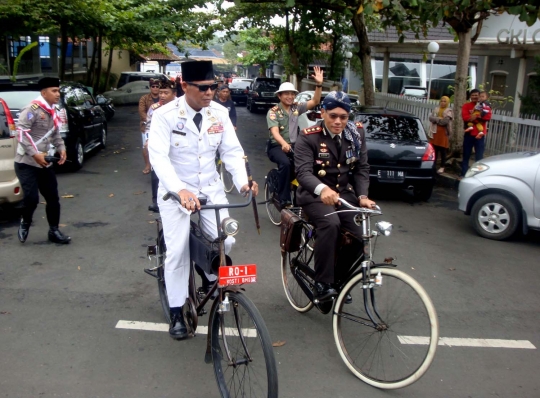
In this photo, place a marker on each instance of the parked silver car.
(502, 194)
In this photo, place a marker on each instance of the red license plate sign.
(237, 275)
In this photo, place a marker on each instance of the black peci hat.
(194, 71)
(46, 82)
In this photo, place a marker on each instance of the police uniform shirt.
(34, 123)
(318, 161)
(286, 122)
(184, 157)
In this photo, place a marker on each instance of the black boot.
(177, 328)
(24, 228)
(324, 291)
(56, 236)
(154, 207)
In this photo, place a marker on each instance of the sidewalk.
(448, 180)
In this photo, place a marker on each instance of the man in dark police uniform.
(38, 128)
(331, 163)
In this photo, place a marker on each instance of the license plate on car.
(395, 175)
(237, 275)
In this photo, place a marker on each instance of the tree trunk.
(72, 58)
(332, 72)
(97, 77)
(364, 53)
(461, 86)
(90, 73)
(109, 66)
(63, 51)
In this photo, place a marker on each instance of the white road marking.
(463, 342)
(163, 327)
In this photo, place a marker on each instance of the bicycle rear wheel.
(289, 266)
(400, 349)
(163, 297)
(271, 199)
(250, 368)
(226, 177)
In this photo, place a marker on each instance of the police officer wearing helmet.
(38, 129)
(282, 121)
(331, 163)
(185, 136)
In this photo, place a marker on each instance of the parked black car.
(86, 128)
(398, 150)
(261, 93)
(239, 90)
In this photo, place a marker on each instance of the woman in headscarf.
(440, 130)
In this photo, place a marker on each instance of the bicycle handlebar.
(377, 210)
(176, 197)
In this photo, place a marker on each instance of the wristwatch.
(362, 197)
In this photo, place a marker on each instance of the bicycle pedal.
(151, 272)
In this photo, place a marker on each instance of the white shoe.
(441, 170)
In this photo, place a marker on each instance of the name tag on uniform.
(324, 155)
(216, 128)
(179, 132)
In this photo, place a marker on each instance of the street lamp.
(432, 47)
(348, 55)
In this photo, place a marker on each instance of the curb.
(447, 180)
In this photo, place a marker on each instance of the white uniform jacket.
(184, 158)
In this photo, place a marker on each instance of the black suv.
(87, 126)
(262, 93)
(398, 150)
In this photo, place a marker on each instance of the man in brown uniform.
(37, 129)
(331, 163)
(145, 103)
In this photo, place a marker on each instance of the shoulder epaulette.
(275, 108)
(359, 125)
(313, 130)
(34, 107)
(156, 105)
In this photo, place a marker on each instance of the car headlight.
(230, 226)
(476, 168)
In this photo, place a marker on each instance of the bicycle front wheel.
(399, 349)
(226, 177)
(242, 352)
(162, 288)
(271, 199)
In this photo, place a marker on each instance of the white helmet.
(286, 87)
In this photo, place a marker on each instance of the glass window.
(85, 95)
(392, 128)
(498, 84)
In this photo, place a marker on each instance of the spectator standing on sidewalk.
(145, 103)
(473, 137)
(440, 130)
(223, 98)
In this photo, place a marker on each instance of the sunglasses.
(204, 87)
(155, 86)
(341, 117)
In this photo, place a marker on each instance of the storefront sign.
(520, 36)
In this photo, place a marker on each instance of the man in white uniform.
(185, 136)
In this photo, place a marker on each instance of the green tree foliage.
(258, 47)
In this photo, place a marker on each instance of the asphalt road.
(59, 304)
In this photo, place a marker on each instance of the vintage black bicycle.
(271, 194)
(385, 325)
(238, 342)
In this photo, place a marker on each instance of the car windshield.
(388, 127)
(18, 99)
(268, 85)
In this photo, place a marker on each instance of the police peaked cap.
(195, 71)
(46, 82)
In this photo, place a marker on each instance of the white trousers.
(176, 232)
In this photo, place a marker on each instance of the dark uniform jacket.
(317, 161)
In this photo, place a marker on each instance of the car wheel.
(495, 216)
(103, 138)
(76, 155)
(423, 192)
